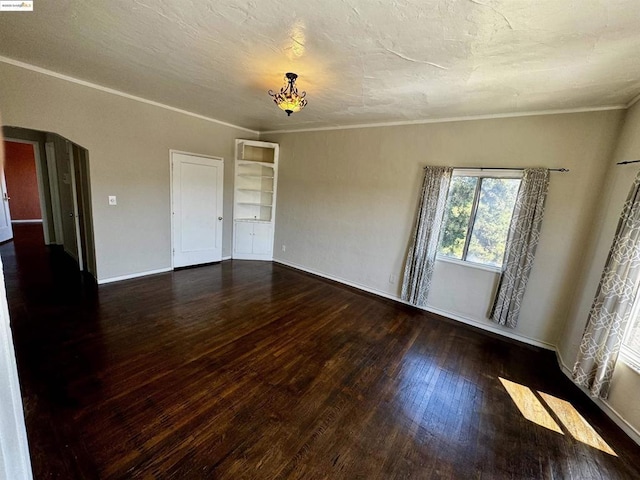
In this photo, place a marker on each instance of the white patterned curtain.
(613, 302)
(424, 246)
(524, 233)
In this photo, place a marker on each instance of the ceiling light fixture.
(288, 98)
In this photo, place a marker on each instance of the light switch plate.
(112, 200)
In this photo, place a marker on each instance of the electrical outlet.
(284, 248)
(112, 200)
(392, 278)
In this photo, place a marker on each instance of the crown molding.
(532, 113)
(50, 73)
(633, 101)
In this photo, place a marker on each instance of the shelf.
(251, 220)
(244, 161)
(255, 151)
(254, 204)
(254, 198)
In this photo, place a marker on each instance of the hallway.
(254, 370)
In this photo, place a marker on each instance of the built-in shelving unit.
(256, 172)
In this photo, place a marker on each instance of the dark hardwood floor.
(250, 370)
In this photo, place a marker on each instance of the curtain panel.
(613, 303)
(522, 240)
(424, 245)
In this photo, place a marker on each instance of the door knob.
(7, 197)
(219, 218)
(71, 214)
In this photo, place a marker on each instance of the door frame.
(4, 205)
(41, 191)
(76, 210)
(171, 194)
(54, 190)
(85, 210)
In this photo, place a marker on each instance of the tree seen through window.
(477, 218)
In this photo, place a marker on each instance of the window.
(631, 344)
(477, 217)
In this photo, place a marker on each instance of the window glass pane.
(633, 337)
(491, 226)
(456, 216)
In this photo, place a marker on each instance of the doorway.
(196, 201)
(61, 186)
(23, 187)
(6, 228)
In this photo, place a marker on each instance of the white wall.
(128, 143)
(475, 289)
(347, 200)
(623, 397)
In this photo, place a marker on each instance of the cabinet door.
(243, 238)
(262, 238)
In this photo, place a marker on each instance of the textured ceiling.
(360, 61)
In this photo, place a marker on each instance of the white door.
(6, 232)
(197, 184)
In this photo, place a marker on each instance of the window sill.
(465, 263)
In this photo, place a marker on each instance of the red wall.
(22, 182)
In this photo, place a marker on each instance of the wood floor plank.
(252, 370)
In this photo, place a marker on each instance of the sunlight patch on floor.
(575, 423)
(538, 410)
(529, 405)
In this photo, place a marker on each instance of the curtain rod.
(563, 170)
(627, 161)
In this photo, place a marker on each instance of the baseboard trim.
(443, 313)
(497, 330)
(102, 281)
(33, 220)
(603, 405)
